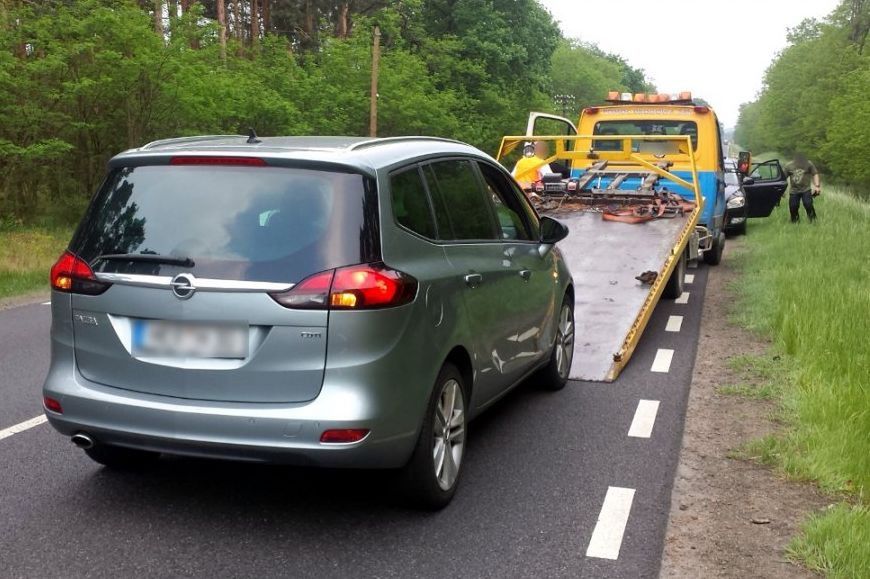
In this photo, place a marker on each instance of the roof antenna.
(252, 136)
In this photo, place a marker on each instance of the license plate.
(170, 339)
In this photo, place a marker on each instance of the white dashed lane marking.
(644, 419)
(674, 324)
(46, 303)
(690, 278)
(662, 362)
(607, 536)
(683, 299)
(22, 426)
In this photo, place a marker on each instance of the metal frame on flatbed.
(584, 158)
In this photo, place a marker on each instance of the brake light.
(702, 110)
(52, 404)
(590, 110)
(358, 287)
(343, 435)
(211, 161)
(72, 274)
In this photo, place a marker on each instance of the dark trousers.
(794, 201)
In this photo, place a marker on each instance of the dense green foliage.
(81, 80)
(815, 96)
(805, 286)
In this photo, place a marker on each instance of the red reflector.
(702, 110)
(344, 435)
(237, 161)
(52, 404)
(590, 110)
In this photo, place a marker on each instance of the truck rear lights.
(232, 161)
(343, 435)
(358, 287)
(72, 274)
(590, 111)
(52, 404)
(702, 110)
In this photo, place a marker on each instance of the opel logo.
(182, 286)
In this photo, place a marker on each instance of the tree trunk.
(255, 24)
(341, 26)
(158, 17)
(267, 16)
(222, 32)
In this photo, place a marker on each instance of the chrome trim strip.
(202, 284)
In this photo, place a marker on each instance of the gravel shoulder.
(715, 500)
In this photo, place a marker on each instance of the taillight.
(72, 274)
(702, 110)
(358, 287)
(52, 404)
(590, 110)
(236, 161)
(343, 435)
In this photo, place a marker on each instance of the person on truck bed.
(531, 167)
(805, 183)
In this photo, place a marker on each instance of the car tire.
(674, 287)
(714, 255)
(555, 374)
(120, 458)
(429, 481)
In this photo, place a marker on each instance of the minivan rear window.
(270, 224)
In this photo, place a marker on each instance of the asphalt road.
(537, 470)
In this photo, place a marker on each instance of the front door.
(764, 187)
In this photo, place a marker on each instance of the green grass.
(26, 255)
(807, 287)
(836, 542)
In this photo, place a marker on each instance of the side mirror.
(744, 162)
(552, 231)
(748, 181)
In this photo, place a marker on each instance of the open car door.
(547, 124)
(764, 187)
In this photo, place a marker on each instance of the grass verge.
(26, 255)
(807, 287)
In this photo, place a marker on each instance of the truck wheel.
(554, 375)
(714, 255)
(674, 287)
(431, 476)
(120, 458)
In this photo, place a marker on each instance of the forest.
(81, 80)
(816, 97)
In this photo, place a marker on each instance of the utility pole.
(222, 32)
(376, 57)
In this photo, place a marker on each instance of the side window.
(461, 207)
(411, 206)
(767, 171)
(511, 221)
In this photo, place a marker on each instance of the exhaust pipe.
(82, 440)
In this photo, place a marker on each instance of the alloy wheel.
(448, 434)
(565, 341)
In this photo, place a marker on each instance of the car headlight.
(736, 201)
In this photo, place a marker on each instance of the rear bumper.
(281, 433)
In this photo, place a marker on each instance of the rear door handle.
(526, 274)
(473, 280)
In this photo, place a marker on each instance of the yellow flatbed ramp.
(611, 307)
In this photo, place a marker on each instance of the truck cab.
(653, 115)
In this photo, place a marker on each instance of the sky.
(717, 49)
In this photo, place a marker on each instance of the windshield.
(241, 223)
(644, 127)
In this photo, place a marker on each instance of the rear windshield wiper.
(146, 258)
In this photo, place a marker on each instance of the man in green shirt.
(805, 183)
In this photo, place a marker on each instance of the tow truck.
(643, 195)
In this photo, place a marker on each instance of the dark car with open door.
(735, 199)
(764, 187)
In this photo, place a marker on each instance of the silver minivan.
(328, 301)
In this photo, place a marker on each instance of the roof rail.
(389, 140)
(181, 140)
